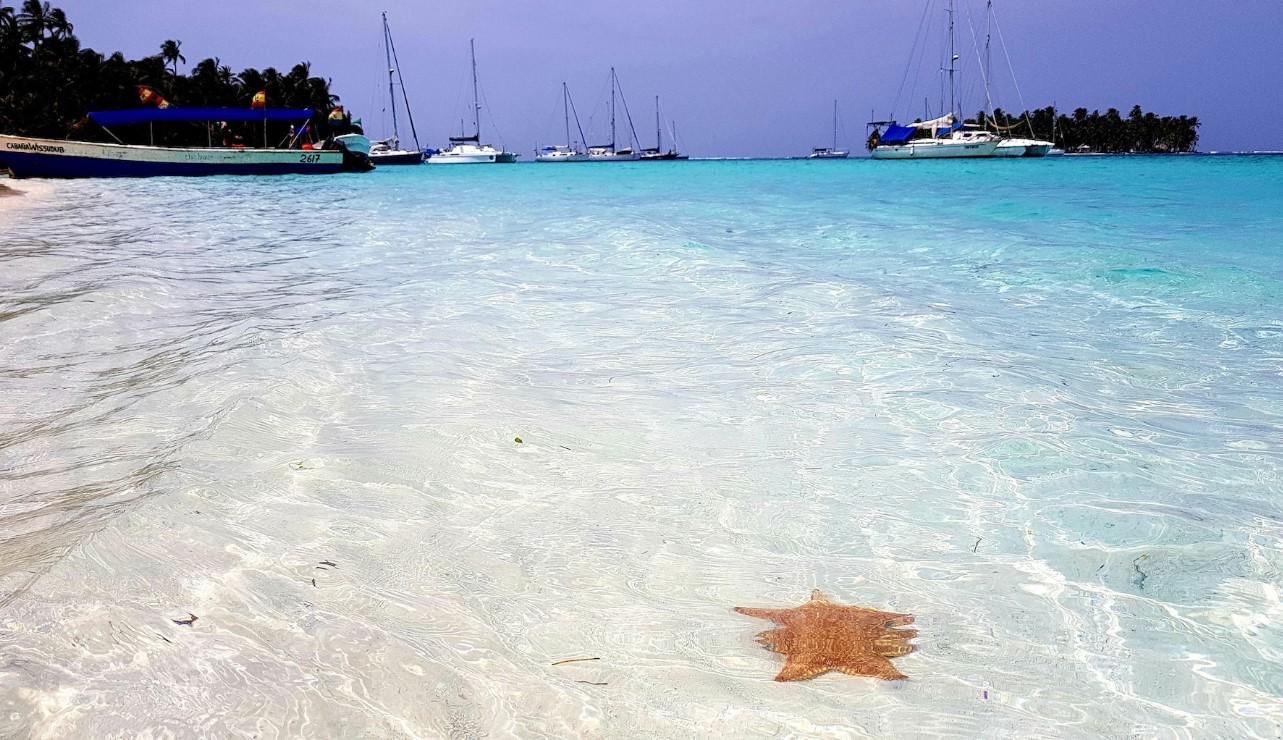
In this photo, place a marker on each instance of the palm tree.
(8, 21)
(33, 21)
(58, 25)
(171, 52)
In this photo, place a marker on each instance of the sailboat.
(945, 137)
(466, 149)
(389, 151)
(1056, 150)
(608, 152)
(1010, 146)
(571, 151)
(658, 154)
(827, 152)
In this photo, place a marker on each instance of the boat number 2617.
(309, 158)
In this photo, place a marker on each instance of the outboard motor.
(356, 152)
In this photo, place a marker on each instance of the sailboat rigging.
(609, 152)
(389, 151)
(465, 149)
(658, 154)
(571, 152)
(830, 152)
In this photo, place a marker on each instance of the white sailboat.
(571, 151)
(941, 138)
(609, 152)
(466, 149)
(1011, 146)
(389, 151)
(826, 152)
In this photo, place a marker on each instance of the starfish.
(821, 636)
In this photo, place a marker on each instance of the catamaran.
(827, 152)
(389, 151)
(466, 149)
(608, 152)
(571, 151)
(658, 154)
(34, 157)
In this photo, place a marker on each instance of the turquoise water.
(1036, 404)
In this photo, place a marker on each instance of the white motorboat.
(571, 151)
(469, 149)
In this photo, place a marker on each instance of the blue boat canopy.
(184, 115)
(897, 134)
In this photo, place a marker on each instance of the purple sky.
(741, 77)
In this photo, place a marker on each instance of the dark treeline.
(1110, 132)
(48, 82)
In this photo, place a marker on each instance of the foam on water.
(1036, 404)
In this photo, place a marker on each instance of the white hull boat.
(1027, 147)
(560, 154)
(570, 152)
(936, 149)
(609, 152)
(830, 152)
(606, 154)
(469, 149)
(464, 153)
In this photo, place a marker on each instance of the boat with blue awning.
(302, 151)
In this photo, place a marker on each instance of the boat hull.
(613, 157)
(561, 157)
(449, 158)
(470, 154)
(661, 157)
(51, 158)
(936, 150)
(1028, 147)
(397, 157)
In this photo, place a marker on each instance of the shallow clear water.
(1039, 405)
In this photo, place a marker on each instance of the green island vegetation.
(1105, 133)
(48, 82)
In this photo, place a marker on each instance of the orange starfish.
(821, 636)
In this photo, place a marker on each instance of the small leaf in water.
(517, 440)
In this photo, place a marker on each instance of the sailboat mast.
(578, 126)
(476, 100)
(405, 97)
(565, 108)
(835, 124)
(953, 62)
(989, 59)
(659, 131)
(387, 53)
(612, 109)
